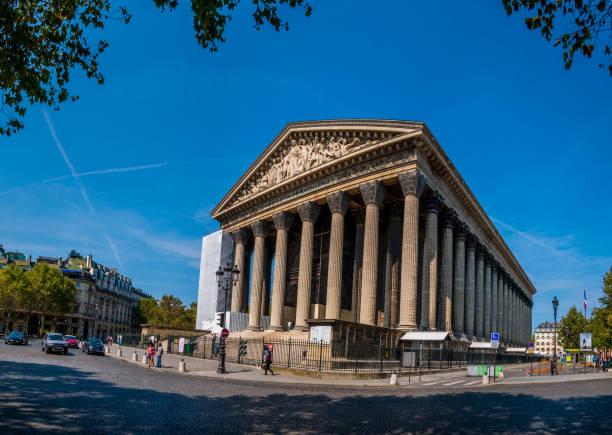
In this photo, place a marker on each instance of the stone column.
(338, 204)
(479, 310)
(506, 311)
(510, 313)
(357, 264)
(372, 192)
(282, 222)
(446, 283)
(470, 285)
(493, 296)
(412, 183)
(459, 279)
(487, 298)
(309, 212)
(430, 263)
(516, 317)
(260, 230)
(500, 304)
(267, 274)
(239, 294)
(394, 234)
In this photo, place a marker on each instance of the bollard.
(134, 356)
(485, 379)
(144, 359)
(394, 380)
(119, 353)
(182, 366)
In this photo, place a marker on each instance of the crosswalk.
(464, 382)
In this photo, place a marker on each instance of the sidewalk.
(208, 368)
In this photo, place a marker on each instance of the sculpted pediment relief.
(301, 152)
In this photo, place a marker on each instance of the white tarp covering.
(424, 336)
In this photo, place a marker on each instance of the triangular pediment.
(305, 147)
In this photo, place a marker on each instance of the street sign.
(531, 344)
(494, 340)
(224, 333)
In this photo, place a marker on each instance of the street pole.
(553, 369)
(227, 277)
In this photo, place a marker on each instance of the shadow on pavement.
(63, 399)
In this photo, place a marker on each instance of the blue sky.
(531, 139)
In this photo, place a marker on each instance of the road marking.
(453, 383)
(473, 383)
(433, 383)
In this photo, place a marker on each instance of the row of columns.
(476, 296)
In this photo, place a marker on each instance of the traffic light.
(242, 349)
(221, 320)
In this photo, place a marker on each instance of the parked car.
(54, 342)
(72, 341)
(16, 337)
(93, 345)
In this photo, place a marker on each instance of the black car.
(93, 345)
(16, 337)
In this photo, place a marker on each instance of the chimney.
(89, 261)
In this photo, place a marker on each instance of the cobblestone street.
(78, 392)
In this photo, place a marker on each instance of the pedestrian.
(109, 340)
(160, 352)
(267, 358)
(151, 354)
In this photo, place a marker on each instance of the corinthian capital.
(412, 182)
(282, 220)
(241, 236)
(260, 228)
(309, 211)
(372, 192)
(338, 202)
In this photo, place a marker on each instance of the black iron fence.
(340, 356)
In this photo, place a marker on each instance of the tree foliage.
(43, 41)
(43, 289)
(169, 311)
(570, 327)
(601, 323)
(587, 24)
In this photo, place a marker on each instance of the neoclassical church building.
(368, 223)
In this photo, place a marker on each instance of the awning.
(481, 345)
(424, 336)
(517, 349)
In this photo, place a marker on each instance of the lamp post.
(226, 279)
(555, 303)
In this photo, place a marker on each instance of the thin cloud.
(82, 174)
(77, 179)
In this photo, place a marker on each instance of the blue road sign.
(494, 336)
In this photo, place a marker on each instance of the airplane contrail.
(81, 174)
(80, 185)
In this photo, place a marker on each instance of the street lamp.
(226, 279)
(555, 303)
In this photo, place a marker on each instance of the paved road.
(80, 393)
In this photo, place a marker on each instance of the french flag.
(585, 299)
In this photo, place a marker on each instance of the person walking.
(160, 352)
(267, 358)
(151, 354)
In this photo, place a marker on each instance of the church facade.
(368, 222)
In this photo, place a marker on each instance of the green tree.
(145, 310)
(601, 323)
(586, 24)
(55, 294)
(43, 41)
(13, 286)
(570, 327)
